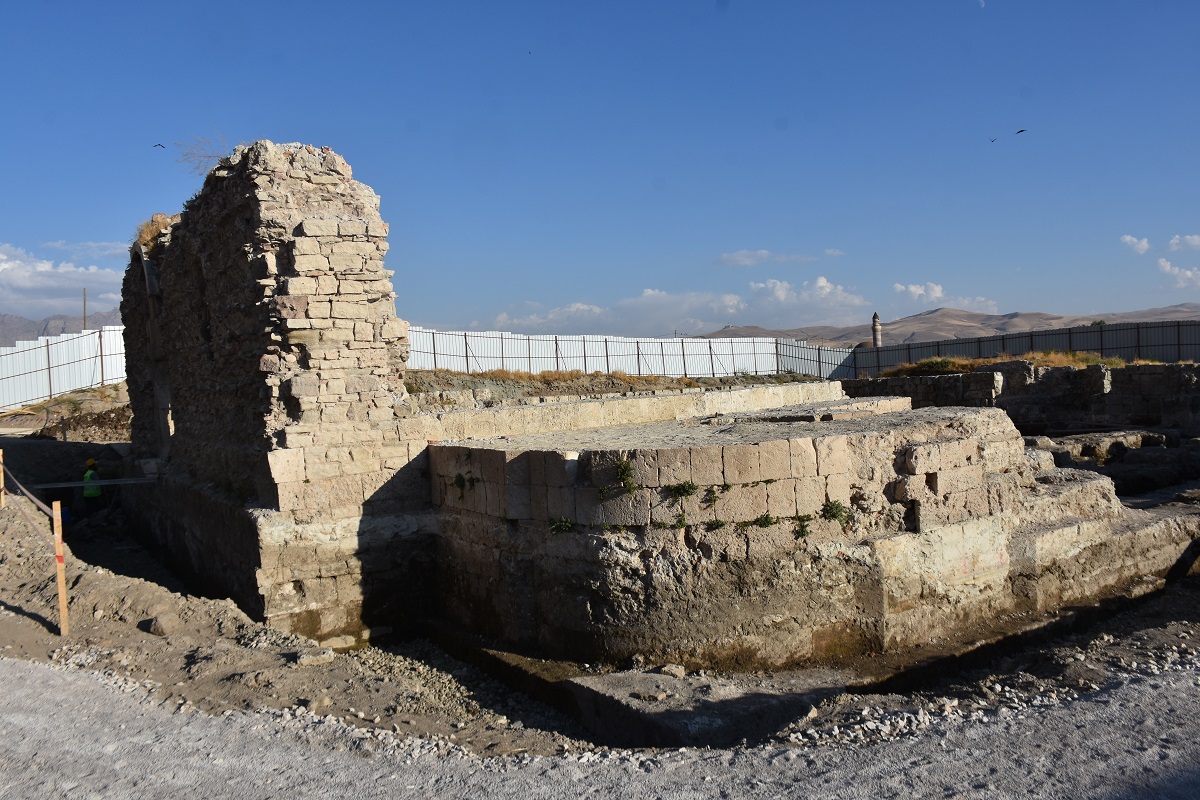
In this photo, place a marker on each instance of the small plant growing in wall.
(713, 493)
(462, 482)
(714, 525)
(801, 529)
(678, 491)
(562, 525)
(835, 511)
(625, 475)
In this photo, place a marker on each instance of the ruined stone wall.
(1058, 397)
(713, 544)
(279, 346)
(978, 390)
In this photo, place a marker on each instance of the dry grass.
(149, 230)
(950, 365)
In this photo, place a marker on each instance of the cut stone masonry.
(744, 527)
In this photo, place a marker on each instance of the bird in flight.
(1020, 131)
(992, 140)
(159, 145)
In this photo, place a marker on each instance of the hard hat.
(91, 462)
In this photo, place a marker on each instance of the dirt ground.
(132, 618)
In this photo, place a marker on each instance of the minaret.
(876, 331)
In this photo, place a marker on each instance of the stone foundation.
(724, 543)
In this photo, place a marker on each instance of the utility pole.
(84, 308)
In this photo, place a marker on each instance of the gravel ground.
(66, 733)
(158, 692)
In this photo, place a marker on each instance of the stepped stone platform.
(764, 539)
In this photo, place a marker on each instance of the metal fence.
(34, 371)
(1168, 342)
(481, 351)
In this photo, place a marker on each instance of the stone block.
(804, 458)
(560, 467)
(956, 480)
(347, 262)
(299, 286)
(626, 508)
(644, 464)
(309, 264)
(707, 466)
(560, 503)
(781, 498)
(922, 458)
(674, 465)
(837, 487)
(741, 463)
(741, 503)
(832, 455)
(352, 228)
(286, 465)
(306, 246)
(319, 227)
(810, 495)
(775, 460)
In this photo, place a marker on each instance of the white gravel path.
(73, 734)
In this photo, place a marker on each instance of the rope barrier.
(54, 511)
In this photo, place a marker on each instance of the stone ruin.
(751, 527)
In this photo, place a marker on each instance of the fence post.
(49, 372)
(100, 339)
(556, 362)
(584, 340)
(637, 343)
(529, 352)
(607, 363)
(3, 494)
(467, 354)
(433, 346)
(502, 364)
(64, 624)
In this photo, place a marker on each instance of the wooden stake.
(64, 624)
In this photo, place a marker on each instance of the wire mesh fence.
(34, 371)
(31, 372)
(1169, 342)
(483, 351)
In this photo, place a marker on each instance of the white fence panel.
(34, 371)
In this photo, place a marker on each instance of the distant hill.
(950, 323)
(19, 329)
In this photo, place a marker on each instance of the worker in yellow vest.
(93, 497)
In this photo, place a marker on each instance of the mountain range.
(951, 323)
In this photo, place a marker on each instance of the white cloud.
(928, 292)
(1179, 242)
(1184, 278)
(743, 258)
(833, 252)
(86, 250)
(1139, 246)
(571, 317)
(829, 294)
(750, 258)
(770, 303)
(34, 287)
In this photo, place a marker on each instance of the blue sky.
(639, 168)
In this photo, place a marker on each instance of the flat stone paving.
(793, 422)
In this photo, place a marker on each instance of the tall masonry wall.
(265, 315)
